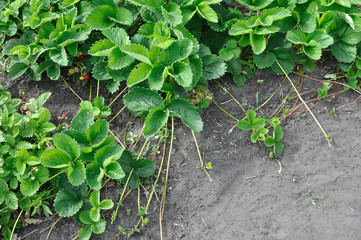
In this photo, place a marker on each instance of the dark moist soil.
(248, 198)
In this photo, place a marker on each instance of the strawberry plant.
(260, 133)
(72, 163)
(24, 134)
(165, 52)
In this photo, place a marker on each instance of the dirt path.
(248, 198)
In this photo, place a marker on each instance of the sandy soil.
(248, 198)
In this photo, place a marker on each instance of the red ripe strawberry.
(64, 115)
(80, 56)
(85, 77)
(23, 100)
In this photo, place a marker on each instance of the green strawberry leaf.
(118, 60)
(142, 99)
(258, 43)
(255, 5)
(172, 14)
(278, 148)
(138, 74)
(67, 202)
(114, 170)
(106, 204)
(240, 28)
(277, 133)
(182, 73)
(207, 12)
(67, 144)
(187, 112)
(179, 50)
(312, 50)
(344, 52)
(108, 153)
(41, 174)
(85, 233)
(76, 173)
(97, 132)
(144, 167)
(213, 67)
(155, 120)
(138, 52)
(98, 227)
(29, 187)
(94, 175)
(17, 70)
(122, 16)
(55, 158)
(307, 23)
(59, 56)
(11, 200)
(102, 48)
(297, 36)
(117, 35)
(95, 214)
(230, 51)
(99, 17)
(264, 60)
(321, 38)
(269, 141)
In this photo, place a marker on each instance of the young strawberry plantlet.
(275, 141)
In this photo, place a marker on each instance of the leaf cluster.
(71, 165)
(260, 131)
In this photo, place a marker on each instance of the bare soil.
(248, 198)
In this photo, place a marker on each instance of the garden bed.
(316, 195)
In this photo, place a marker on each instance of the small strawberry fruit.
(71, 71)
(23, 100)
(80, 56)
(64, 115)
(84, 77)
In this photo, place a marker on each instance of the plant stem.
(140, 134)
(16, 222)
(299, 96)
(115, 213)
(200, 157)
(116, 138)
(116, 115)
(53, 177)
(117, 96)
(98, 88)
(156, 180)
(90, 92)
(52, 226)
(125, 186)
(161, 210)
(232, 97)
(71, 88)
(225, 111)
